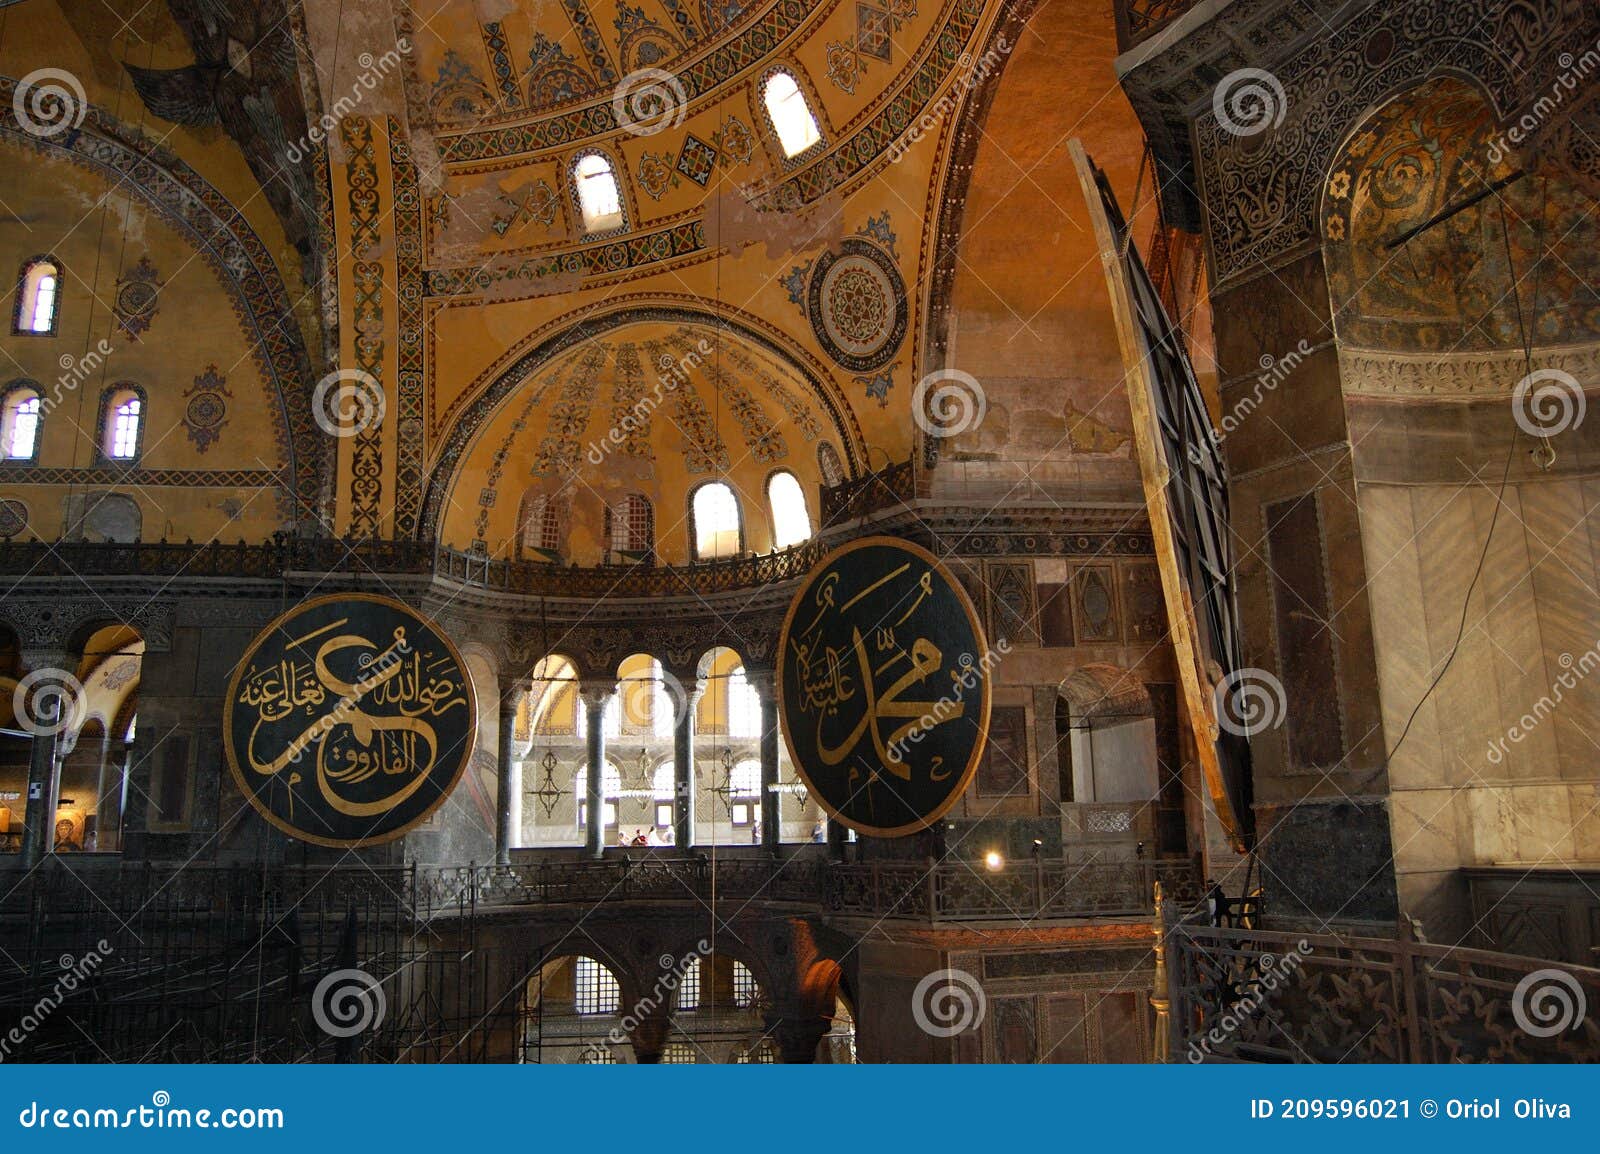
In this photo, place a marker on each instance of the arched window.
(554, 705)
(540, 539)
(791, 116)
(791, 524)
(744, 706)
(599, 199)
(746, 990)
(38, 298)
(122, 427)
(19, 424)
(594, 989)
(631, 528)
(828, 465)
(716, 522)
(689, 985)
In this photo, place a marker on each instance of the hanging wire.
(1511, 448)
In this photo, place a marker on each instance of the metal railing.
(1243, 995)
(1138, 20)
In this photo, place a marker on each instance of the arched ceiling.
(452, 268)
(653, 408)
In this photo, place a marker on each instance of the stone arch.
(461, 431)
(223, 238)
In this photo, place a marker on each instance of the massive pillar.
(683, 767)
(596, 695)
(765, 684)
(508, 825)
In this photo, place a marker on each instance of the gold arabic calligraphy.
(378, 723)
(840, 678)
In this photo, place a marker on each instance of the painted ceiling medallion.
(857, 305)
(207, 409)
(136, 297)
(13, 518)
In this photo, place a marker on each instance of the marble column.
(45, 721)
(508, 824)
(765, 684)
(113, 784)
(596, 696)
(683, 790)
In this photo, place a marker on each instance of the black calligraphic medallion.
(349, 720)
(883, 683)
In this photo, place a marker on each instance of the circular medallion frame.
(398, 614)
(955, 600)
(868, 268)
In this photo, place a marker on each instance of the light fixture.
(992, 861)
(549, 792)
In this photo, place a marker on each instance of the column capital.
(596, 692)
(763, 681)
